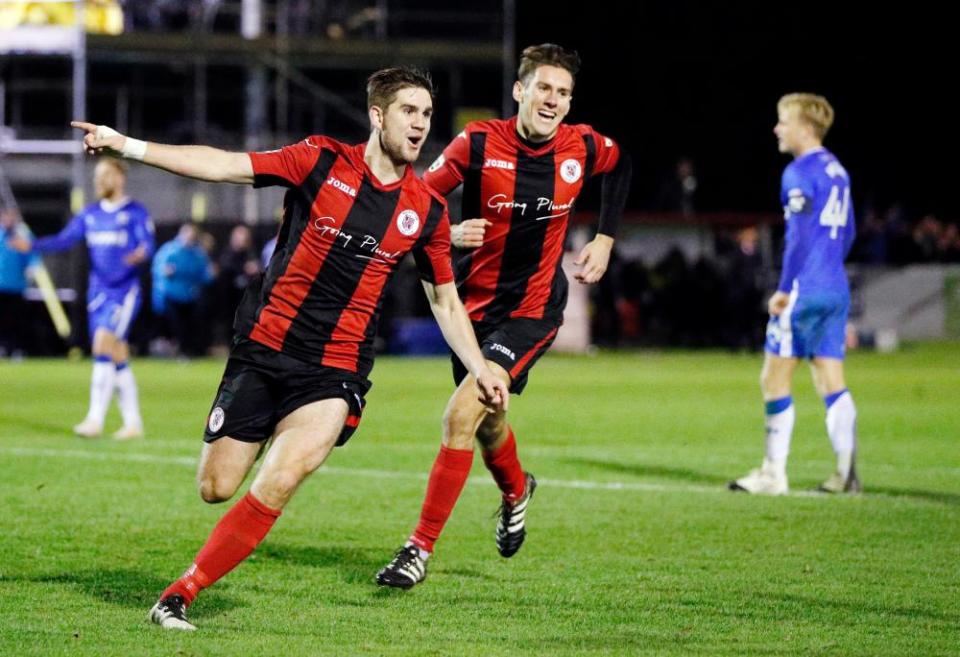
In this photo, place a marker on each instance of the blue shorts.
(812, 325)
(113, 309)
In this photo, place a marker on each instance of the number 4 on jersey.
(835, 210)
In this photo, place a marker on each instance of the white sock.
(127, 397)
(842, 428)
(779, 428)
(101, 390)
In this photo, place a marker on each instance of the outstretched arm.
(458, 332)
(72, 233)
(199, 162)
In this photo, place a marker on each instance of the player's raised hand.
(468, 234)
(594, 258)
(494, 393)
(100, 139)
(20, 244)
(778, 303)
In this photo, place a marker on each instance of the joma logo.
(342, 186)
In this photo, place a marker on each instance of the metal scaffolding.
(287, 75)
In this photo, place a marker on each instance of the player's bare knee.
(775, 380)
(278, 486)
(827, 376)
(216, 489)
(120, 352)
(283, 484)
(458, 426)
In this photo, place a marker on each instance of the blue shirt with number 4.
(815, 192)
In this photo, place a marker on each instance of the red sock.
(230, 542)
(449, 474)
(504, 465)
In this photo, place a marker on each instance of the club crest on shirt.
(437, 163)
(216, 419)
(570, 171)
(408, 222)
(796, 201)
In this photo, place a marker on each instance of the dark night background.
(685, 78)
(665, 79)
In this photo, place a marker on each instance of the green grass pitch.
(634, 546)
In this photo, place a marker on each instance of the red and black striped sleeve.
(288, 166)
(446, 172)
(605, 157)
(432, 250)
(602, 152)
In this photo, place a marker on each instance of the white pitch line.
(634, 453)
(354, 472)
(399, 474)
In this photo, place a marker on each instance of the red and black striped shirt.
(343, 236)
(527, 193)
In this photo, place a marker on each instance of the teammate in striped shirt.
(303, 347)
(521, 178)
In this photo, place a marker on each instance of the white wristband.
(133, 149)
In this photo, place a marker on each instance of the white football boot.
(765, 480)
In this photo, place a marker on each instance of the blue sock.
(832, 397)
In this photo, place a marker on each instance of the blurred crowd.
(888, 238)
(199, 274)
(196, 286)
(711, 301)
(720, 300)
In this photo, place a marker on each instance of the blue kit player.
(808, 312)
(119, 236)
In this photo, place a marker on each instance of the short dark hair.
(383, 85)
(547, 54)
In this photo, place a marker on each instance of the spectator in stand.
(181, 271)
(238, 265)
(208, 243)
(871, 245)
(677, 191)
(743, 273)
(948, 248)
(14, 268)
(670, 287)
(900, 246)
(926, 239)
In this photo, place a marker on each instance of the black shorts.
(261, 386)
(515, 345)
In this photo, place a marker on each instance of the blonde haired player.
(808, 312)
